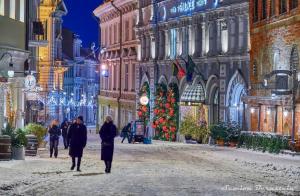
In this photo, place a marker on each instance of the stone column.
(219, 41)
(198, 40)
(167, 44)
(191, 39)
(179, 43)
(162, 45)
(203, 29)
(2, 93)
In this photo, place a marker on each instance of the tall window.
(115, 33)
(133, 77)
(264, 9)
(127, 30)
(293, 4)
(255, 11)
(22, 10)
(12, 9)
(115, 77)
(2, 7)
(272, 7)
(282, 6)
(173, 43)
(126, 77)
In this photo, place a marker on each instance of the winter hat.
(80, 118)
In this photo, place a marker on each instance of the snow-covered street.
(162, 168)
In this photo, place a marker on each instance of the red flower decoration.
(168, 105)
(140, 113)
(173, 100)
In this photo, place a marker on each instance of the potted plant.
(19, 140)
(218, 132)
(39, 131)
(234, 132)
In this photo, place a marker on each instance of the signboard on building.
(177, 8)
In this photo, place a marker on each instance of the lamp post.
(144, 100)
(120, 65)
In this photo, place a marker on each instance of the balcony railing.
(39, 34)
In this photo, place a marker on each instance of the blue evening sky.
(81, 21)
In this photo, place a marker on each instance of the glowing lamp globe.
(144, 100)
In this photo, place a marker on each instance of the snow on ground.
(162, 168)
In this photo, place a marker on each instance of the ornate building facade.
(117, 92)
(208, 38)
(50, 68)
(273, 104)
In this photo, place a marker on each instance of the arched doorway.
(236, 90)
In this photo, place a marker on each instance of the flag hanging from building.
(190, 66)
(178, 70)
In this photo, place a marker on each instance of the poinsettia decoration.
(166, 112)
(143, 111)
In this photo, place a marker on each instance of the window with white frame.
(2, 7)
(224, 36)
(12, 9)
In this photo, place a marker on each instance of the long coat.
(77, 137)
(107, 133)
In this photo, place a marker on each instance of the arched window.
(224, 36)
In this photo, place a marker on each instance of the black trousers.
(53, 147)
(65, 139)
(126, 136)
(78, 162)
(107, 166)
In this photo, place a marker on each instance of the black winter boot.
(73, 163)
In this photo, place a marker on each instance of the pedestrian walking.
(64, 132)
(126, 132)
(107, 133)
(77, 137)
(54, 133)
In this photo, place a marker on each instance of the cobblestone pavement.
(161, 168)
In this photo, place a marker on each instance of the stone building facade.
(13, 51)
(115, 90)
(81, 80)
(213, 35)
(273, 104)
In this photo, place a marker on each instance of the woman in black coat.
(77, 137)
(107, 133)
(54, 133)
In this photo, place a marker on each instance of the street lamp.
(144, 100)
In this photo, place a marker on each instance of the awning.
(193, 93)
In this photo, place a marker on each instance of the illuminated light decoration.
(188, 6)
(30, 82)
(268, 112)
(10, 73)
(252, 110)
(285, 113)
(104, 73)
(144, 100)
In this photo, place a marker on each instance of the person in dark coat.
(54, 133)
(126, 133)
(64, 132)
(77, 137)
(107, 133)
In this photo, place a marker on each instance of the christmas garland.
(144, 110)
(165, 121)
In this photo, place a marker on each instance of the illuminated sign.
(188, 6)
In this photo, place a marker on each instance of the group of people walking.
(75, 138)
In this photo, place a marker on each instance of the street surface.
(162, 168)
